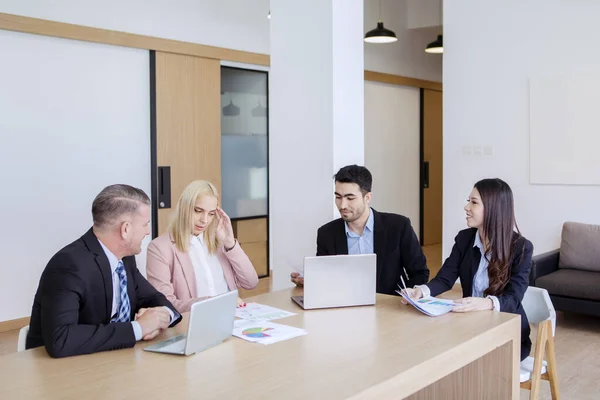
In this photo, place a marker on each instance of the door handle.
(164, 187)
(426, 174)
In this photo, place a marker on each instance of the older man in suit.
(362, 230)
(91, 296)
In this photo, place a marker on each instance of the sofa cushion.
(571, 283)
(580, 247)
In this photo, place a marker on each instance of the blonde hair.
(181, 222)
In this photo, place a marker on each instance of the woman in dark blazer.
(497, 282)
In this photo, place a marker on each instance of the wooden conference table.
(386, 351)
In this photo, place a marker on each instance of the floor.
(577, 343)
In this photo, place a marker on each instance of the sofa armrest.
(543, 264)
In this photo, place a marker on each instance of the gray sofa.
(571, 274)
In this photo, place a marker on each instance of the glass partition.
(244, 142)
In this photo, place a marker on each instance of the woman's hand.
(224, 229)
(240, 303)
(468, 304)
(413, 293)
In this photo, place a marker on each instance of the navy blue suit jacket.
(463, 263)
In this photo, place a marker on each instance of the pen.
(403, 284)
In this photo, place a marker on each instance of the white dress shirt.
(210, 280)
(116, 284)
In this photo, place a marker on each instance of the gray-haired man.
(91, 296)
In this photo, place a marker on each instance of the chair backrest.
(538, 306)
(22, 338)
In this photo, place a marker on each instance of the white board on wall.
(75, 118)
(392, 148)
(564, 129)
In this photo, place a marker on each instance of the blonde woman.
(199, 256)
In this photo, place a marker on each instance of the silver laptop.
(211, 322)
(339, 281)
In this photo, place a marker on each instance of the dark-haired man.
(362, 230)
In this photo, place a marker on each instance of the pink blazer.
(171, 271)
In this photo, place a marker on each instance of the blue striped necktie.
(124, 311)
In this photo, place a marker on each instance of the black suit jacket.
(72, 307)
(464, 262)
(395, 243)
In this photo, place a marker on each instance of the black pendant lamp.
(435, 47)
(380, 34)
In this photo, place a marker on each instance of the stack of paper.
(431, 306)
(265, 332)
(260, 312)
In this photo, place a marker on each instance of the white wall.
(316, 120)
(68, 129)
(234, 24)
(243, 25)
(392, 148)
(487, 63)
(407, 56)
(424, 13)
(348, 85)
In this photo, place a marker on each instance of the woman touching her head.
(199, 256)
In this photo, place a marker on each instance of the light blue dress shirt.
(361, 244)
(481, 280)
(114, 262)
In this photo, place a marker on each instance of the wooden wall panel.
(257, 253)
(253, 237)
(401, 80)
(188, 122)
(251, 230)
(63, 30)
(433, 153)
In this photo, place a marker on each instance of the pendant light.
(231, 110)
(259, 110)
(380, 34)
(435, 47)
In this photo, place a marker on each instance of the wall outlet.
(488, 150)
(477, 151)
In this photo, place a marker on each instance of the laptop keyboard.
(174, 346)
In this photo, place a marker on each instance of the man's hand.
(413, 293)
(153, 321)
(140, 312)
(297, 279)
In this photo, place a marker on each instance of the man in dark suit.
(91, 296)
(362, 230)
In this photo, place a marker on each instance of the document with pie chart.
(265, 332)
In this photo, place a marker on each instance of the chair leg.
(540, 346)
(552, 374)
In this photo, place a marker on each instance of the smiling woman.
(199, 256)
(491, 258)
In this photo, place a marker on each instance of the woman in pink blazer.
(199, 256)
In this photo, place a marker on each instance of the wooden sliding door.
(187, 125)
(432, 167)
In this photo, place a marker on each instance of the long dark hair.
(499, 225)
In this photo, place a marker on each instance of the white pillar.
(316, 120)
